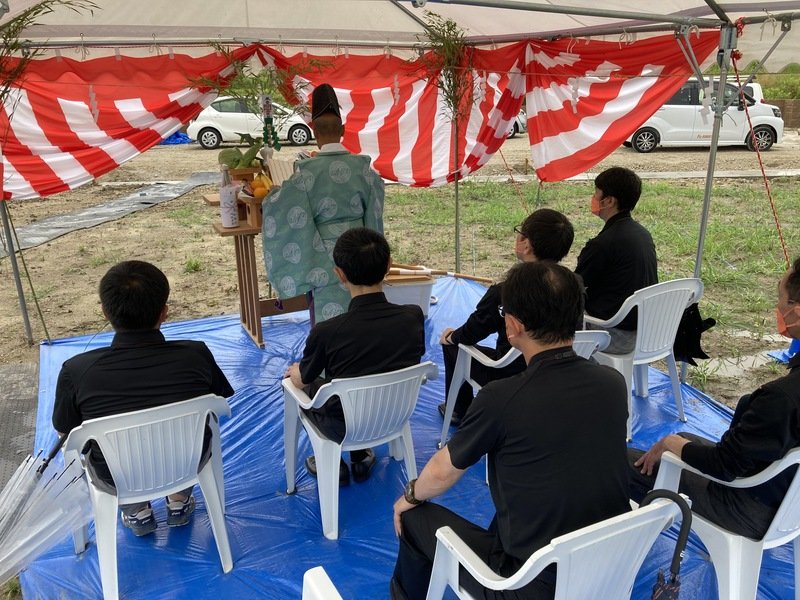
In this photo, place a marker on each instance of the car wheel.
(209, 138)
(299, 135)
(763, 137)
(645, 140)
(514, 131)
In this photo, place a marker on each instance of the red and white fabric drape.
(73, 121)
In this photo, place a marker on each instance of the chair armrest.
(480, 357)
(671, 467)
(299, 395)
(481, 571)
(615, 320)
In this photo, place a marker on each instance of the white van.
(685, 121)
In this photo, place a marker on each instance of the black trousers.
(412, 572)
(478, 372)
(733, 509)
(329, 418)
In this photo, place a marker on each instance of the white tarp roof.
(395, 23)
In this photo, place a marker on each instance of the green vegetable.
(247, 157)
(230, 157)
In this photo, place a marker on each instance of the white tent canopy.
(397, 24)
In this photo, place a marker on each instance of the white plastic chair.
(597, 561)
(318, 586)
(377, 409)
(737, 559)
(659, 311)
(152, 453)
(584, 344)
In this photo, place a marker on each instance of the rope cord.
(28, 277)
(756, 147)
(517, 185)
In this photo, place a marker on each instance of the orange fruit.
(259, 192)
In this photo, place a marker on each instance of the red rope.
(734, 57)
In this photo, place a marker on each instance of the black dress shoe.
(455, 419)
(362, 468)
(344, 472)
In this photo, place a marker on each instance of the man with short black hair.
(555, 439)
(621, 259)
(328, 194)
(764, 428)
(139, 370)
(373, 336)
(545, 234)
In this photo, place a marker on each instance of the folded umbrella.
(39, 506)
(670, 588)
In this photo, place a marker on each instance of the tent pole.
(727, 44)
(12, 256)
(458, 211)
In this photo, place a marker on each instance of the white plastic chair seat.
(597, 561)
(376, 408)
(737, 559)
(152, 453)
(318, 586)
(584, 344)
(659, 311)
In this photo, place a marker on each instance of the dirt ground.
(178, 236)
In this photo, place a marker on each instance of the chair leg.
(460, 375)
(676, 385)
(408, 451)
(443, 573)
(626, 368)
(80, 539)
(640, 383)
(207, 478)
(105, 525)
(737, 562)
(291, 427)
(796, 548)
(328, 455)
(216, 458)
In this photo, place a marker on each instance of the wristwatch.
(408, 493)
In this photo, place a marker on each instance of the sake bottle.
(229, 211)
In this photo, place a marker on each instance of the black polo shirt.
(616, 263)
(139, 370)
(373, 336)
(556, 439)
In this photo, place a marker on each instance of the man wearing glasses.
(554, 436)
(544, 235)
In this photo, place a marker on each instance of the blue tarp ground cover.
(274, 537)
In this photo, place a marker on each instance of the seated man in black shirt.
(621, 259)
(555, 439)
(545, 235)
(765, 426)
(373, 336)
(139, 370)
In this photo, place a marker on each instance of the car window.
(683, 97)
(279, 111)
(229, 105)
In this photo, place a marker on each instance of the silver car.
(225, 119)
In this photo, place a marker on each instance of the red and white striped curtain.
(73, 121)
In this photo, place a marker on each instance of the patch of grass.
(192, 265)
(11, 590)
(187, 215)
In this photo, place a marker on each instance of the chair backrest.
(151, 450)
(602, 560)
(375, 406)
(785, 525)
(589, 341)
(660, 308)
